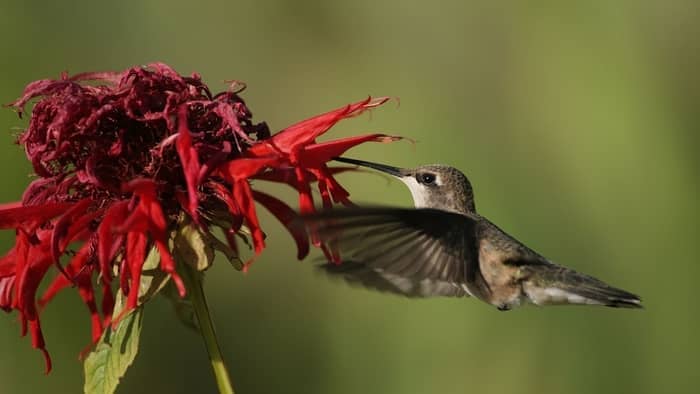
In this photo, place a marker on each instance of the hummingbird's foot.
(503, 307)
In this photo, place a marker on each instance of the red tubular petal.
(288, 175)
(167, 264)
(244, 197)
(61, 228)
(15, 217)
(10, 205)
(247, 167)
(81, 229)
(158, 228)
(339, 194)
(38, 342)
(155, 213)
(306, 202)
(107, 245)
(316, 154)
(87, 293)
(7, 285)
(59, 283)
(135, 256)
(140, 186)
(233, 208)
(107, 304)
(305, 132)
(8, 266)
(79, 269)
(21, 264)
(32, 263)
(325, 196)
(143, 216)
(190, 161)
(149, 214)
(124, 275)
(288, 218)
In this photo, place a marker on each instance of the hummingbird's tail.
(550, 284)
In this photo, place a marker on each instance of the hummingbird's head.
(432, 186)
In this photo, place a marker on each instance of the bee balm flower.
(121, 157)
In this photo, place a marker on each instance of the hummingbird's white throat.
(418, 191)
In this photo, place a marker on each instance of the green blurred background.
(575, 121)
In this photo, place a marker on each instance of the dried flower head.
(122, 157)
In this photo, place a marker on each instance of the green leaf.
(229, 253)
(192, 246)
(118, 346)
(182, 306)
(196, 248)
(152, 278)
(114, 353)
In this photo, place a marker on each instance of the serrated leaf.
(114, 353)
(118, 346)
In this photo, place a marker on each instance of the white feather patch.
(554, 296)
(417, 191)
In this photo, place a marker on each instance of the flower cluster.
(120, 157)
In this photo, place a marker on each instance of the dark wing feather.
(420, 244)
(358, 274)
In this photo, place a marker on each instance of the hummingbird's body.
(443, 247)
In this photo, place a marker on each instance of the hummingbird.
(443, 247)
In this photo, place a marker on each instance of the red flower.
(120, 160)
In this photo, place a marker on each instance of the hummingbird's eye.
(426, 178)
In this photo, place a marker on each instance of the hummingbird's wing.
(421, 244)
(355, 273)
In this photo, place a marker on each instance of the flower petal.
(305, 132)
(288, 218)
(60, 229)
(189, 159)
(15, 217)
(244, 197)
(316, 154)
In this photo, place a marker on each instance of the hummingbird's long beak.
(395, 171)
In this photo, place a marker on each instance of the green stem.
(206, 328)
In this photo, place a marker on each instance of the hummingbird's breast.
(502, 279)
